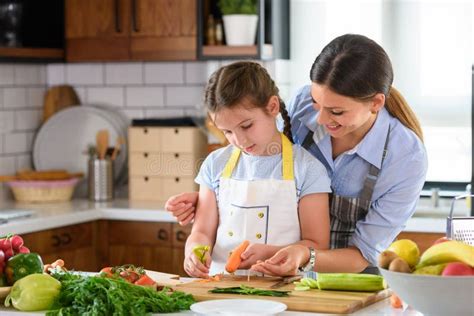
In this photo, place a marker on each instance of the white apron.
(261, 211)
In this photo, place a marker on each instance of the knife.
(285, 281)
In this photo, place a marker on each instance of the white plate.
(242, 307)
(62, 140)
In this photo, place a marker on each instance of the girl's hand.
(256, 252)
(183, 206)
(195, 268)
(285, 262)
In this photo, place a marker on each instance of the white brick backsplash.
(35, 96)
(14, 97)
(123, 73)
(7, 165)
(1, 99)
(164, 113)
(24, 162)
(56, 74)
(7, 122)
(81, 94)
(144, 96)
(184, 96)
(7, 74)
(196, 72)
(27, 120)
(85, 74)
(17, 143)
(110, 96)
(1, 143)
(164, 73)
(28, 75)
(134, 114)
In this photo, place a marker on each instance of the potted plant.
(240, 21)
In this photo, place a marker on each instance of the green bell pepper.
(22, 265)
(35, 292)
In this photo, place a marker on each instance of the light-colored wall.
(139, 90)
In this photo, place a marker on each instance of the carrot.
(395, 301)
(234, 259)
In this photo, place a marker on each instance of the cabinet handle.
(66, 239)
(146, 179)
(56, 241)
(181, 236)
(118, 18)
(163, 234)
(145, 155)
(176, 131)
(145, 131)
(136, 27)
(176, 155)
(176, 179)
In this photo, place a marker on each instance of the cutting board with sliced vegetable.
(314, 300)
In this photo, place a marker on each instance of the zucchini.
(350, 282)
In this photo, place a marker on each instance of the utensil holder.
(101, 179)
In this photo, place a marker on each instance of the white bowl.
(433, 295)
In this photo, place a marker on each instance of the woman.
(369, 140)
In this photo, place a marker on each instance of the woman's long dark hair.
(356, 66)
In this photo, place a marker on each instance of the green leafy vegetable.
(247, 290)
(95, 295)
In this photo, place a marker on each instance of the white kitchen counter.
(47, 216)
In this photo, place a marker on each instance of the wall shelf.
(272, 40)
(30, 54)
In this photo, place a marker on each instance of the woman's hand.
(183, 206)
(195, 268)
(256, 252)
(285, 262)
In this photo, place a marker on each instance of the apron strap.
(231, 163)
(287, 160)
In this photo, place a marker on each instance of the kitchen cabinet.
(423, 240)
(153, 245)
(107, 30)
(74, 244)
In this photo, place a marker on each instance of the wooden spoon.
(102, 139)
(118, 145)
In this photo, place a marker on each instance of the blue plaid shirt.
(400, 179)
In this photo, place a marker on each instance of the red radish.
(2, 256)
(8, 253)
(23, 249)
(16, 242)
(440, 240)
(5, 244)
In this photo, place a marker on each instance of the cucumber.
(350, 282)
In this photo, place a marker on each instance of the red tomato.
(145, 280)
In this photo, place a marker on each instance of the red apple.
(457, 268)
(440, 240)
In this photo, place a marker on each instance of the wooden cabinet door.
(164, 30)
(74, 244)
(146, 244)
(97, 30)
(180, 234)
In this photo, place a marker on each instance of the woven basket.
(43, 191)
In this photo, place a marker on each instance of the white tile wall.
(138, 90)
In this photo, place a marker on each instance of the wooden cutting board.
(58, 98)
(340, 302)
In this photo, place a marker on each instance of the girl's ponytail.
(286, 120)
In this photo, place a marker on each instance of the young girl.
(261, 187)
